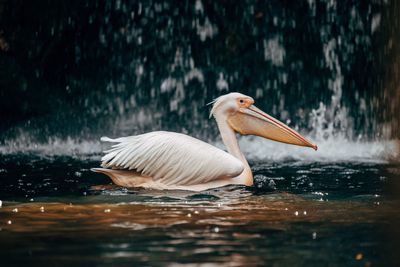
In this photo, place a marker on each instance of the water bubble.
(314, 235)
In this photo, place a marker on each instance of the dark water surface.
(57, 213)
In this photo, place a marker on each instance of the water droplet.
(359, 256)
(9, 222)
(216, 230)
(314, 235)
(296, 213)
(15, 210)
(304, 212)
(196, 212)
(1, 203)
(189, 215)
(42, 209)
(107, 211)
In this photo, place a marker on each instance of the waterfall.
(76, 72)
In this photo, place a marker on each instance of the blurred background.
(72, 71)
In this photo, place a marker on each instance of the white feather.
(171, 158)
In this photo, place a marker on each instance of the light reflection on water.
(266, 211)
(245, 228)
(55, 211)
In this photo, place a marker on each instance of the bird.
(165, 160)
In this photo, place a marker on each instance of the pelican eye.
(241, 101)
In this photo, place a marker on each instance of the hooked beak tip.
(315, 147)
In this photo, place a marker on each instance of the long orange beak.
(253, 121)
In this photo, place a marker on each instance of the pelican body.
(168, 160)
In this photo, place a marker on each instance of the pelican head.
(238, 112)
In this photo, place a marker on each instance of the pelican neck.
(230, 141)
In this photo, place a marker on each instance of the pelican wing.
(171, 158)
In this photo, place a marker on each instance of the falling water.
(120, 68)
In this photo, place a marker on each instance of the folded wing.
(171, 158)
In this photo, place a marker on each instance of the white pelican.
(168, 160)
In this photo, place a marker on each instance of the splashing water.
(255, 149)
(310, 67)
(334, 149)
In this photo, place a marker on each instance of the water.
(299, 213)
(73, 72)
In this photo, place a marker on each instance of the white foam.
(254, 148)
(334, 149)
(53, 147)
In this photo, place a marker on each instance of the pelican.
(174, 161)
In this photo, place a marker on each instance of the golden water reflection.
(228, 230)
(254, 210)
